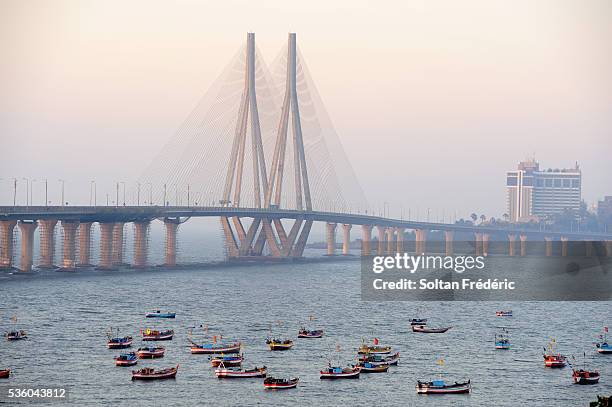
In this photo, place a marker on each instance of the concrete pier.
(382, 233)
(366, 240)
(549, 248)
(478, 244)
(588, 248)
(421, 241)
(47, 242)
(171, 241)
(117, 249)
(346, 238)
(84, 245)
(390, 240)
(449, 235)
(331, 238)
(608, 244)
(27, 244)
(141, 241)
(106, 246)
(511, 245)
(564, 246)
(6, 243)
(69, 261)
(523, 239)
(485, 244)
(399, 240)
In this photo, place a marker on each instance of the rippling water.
(67, 315)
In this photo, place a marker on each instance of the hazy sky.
(433, 100)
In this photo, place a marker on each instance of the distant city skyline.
(432, 103)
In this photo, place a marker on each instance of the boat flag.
(337, 348)
(605, 329)
(14, 319)
(215, 339)
(375, 341)
(441, 362)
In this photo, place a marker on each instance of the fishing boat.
(305, 333)
(279, 344)
(151, 352)
(377, 359)
(502, 342)
(148, 373)
(418, 321)
(155, 335)
(503, 313)
(159, 314)
(226, 361)
(214, 348)
(440, 387)
(126, 359)
(374, 349)
(272, 383)
(552, 358)
(603, 346)
(4, 374)
(585, 377)
(234, 373)
(335, 372)
(119, 342)
(426, 330)
(368, 367)
(16, 335)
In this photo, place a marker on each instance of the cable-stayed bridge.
(258, 152)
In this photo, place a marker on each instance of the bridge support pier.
(563, 246)
(608, 244)
(171, 241)
(69, 245)
(485, 244)
(511, 245)
(382, 231)
(399, 240)
(47, 243)
(141, 229)
(448, 237)
(478, 244)
(421, 241)
(588, 248)
(106, 246)
(84, 245)
(6, 243)
(390, 240)
(118, 244)
(346, 238)
(331, 239)
(366, 240)
(523, 239)
(549, 248)
(27, 244)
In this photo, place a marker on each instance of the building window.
(566, 183)
(549, 182)
(528, 181)
(557, 183)
(539, 182)
(511, 181)
(575, 183)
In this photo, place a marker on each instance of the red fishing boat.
(4, 374)
(214, 348)
(233, 373)
(585, 377)
(272, 383)
(126, 359)
(224, 361)
(335, 372)
(155, 335)
(148, 373)
(552, 358)
(151, 352)
(426, 330)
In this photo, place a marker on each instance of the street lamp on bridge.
(63, 185)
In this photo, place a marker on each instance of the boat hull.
(432, 388)
(119, 345)
(279, 346)
(156, 315)
(337, 376)
(151, 354)
(125, 363)
(167, 337)
(275, 386)
(233, 374)
(425, 330)
(214, 351)
(310, 334)
(161, 375)
(375, 369)
(4, 374)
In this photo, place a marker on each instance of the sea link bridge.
(260, 147)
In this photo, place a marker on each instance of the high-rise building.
(533, 193)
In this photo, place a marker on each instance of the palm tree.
(482, 218)
(506, 217)
(474, 217)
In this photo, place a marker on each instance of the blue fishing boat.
(126, 359)
(502, 342)
(604, 347)
(159, 314)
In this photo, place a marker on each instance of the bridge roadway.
(143, 213)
